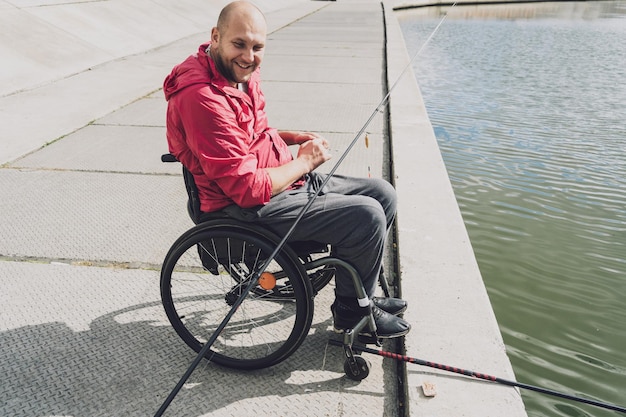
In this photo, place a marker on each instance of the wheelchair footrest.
(368, 339)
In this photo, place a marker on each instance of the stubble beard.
(227, 71)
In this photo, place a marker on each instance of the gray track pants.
(353, 215)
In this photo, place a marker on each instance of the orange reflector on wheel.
(267, 281)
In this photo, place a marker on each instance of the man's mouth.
(244, 66)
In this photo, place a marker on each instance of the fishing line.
(255, 277)
(484, 377)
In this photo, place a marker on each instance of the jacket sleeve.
(213, 125)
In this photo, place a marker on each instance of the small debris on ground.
(429, 389)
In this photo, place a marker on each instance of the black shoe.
(391, 305)
(387, 325)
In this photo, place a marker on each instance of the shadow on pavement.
(128, 362)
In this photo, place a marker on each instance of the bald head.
(239, 10)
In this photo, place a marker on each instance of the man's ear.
(215, 35)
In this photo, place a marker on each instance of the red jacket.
(221, 134)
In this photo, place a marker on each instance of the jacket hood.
(196, 69)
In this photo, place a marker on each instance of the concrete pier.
(89, 211)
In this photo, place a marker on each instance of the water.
(528, 103)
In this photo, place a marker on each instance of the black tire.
(359, 371)
(197, 295)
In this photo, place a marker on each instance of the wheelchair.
(208, 268)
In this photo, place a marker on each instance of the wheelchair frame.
(215, 280)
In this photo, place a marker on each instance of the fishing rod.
(256, 276)
(485, 377)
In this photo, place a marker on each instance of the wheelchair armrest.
(168, 157)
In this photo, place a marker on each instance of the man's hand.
(314, 152)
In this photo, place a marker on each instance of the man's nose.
(248, 55)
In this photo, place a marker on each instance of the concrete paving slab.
(325, 117)
(149, 111)
(36, 117)
(139, 25)
(47, 53)
(95, 341)
(327, 50)
(105, 148)
(322, 33)
(344, 70)
(91, 217)
(288, 91)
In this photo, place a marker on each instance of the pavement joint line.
(50, 142)
(124, 125)
(9, 165)
(145, 266)
(144, 97)
(286, 25)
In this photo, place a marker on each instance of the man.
(218, 129)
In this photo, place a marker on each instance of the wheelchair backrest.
(193, 203)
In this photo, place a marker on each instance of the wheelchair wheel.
(204, 273)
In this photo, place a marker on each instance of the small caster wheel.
(358, 369)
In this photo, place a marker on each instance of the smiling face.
(238, 43)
